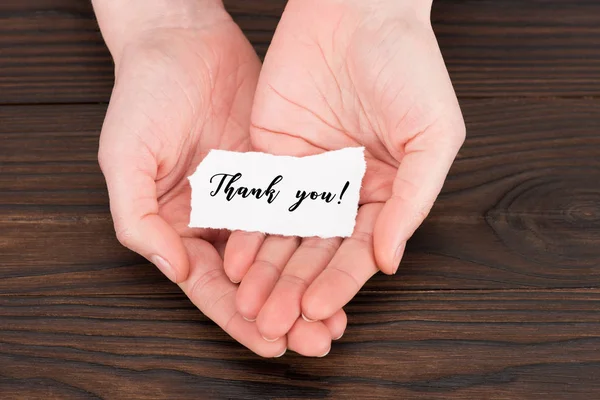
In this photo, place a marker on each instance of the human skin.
(343, 73)
(185, 82)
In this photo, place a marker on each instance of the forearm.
(125, 21)
(397, 4)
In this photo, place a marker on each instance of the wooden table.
(499, 294)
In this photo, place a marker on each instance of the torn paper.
(292, 196)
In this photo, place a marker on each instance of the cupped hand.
(343, 74)
(180, 91)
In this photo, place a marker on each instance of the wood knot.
(554, 220)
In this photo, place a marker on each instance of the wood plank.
(521, 207)
(441, 345)
(51, 50)
(48, 155)
(520, 47)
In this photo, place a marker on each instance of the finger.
(240, 252)
(130, 171)
(214, 294)
(418, 182)
(282, 308)
(337, 324)
(310, 339)
(263, 274)
(350, 268)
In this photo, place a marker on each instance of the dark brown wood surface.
(498, 296)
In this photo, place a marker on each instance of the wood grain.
(521, 208)
(520, 47)
(498, 296)
(52, 51)
(454, 345)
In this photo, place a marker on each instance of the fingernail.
(398, 256)
(249, 320)
(308, 319)
(164, 267)
(236, 282)
(325, 353)
(281, 355)
(270, 340)
(339, 337)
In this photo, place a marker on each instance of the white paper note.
(292, 196)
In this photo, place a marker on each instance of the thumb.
(418, 182)
(130, 171)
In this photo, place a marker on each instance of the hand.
(343, 73)
(184, 85)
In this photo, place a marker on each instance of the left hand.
(185, 80)
(343, 74)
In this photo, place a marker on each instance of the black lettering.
(243, 192)
(230, 190)
(223, 178)
(271, 191)
(328, 197)
(300, 194)
(226, 181)
(258, 193)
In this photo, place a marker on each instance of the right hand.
(349, 73)
(183, 87)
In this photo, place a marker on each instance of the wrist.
(419, 10)
(127, 22)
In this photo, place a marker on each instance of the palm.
(333, 80)
(208, 88)
(341, 83)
